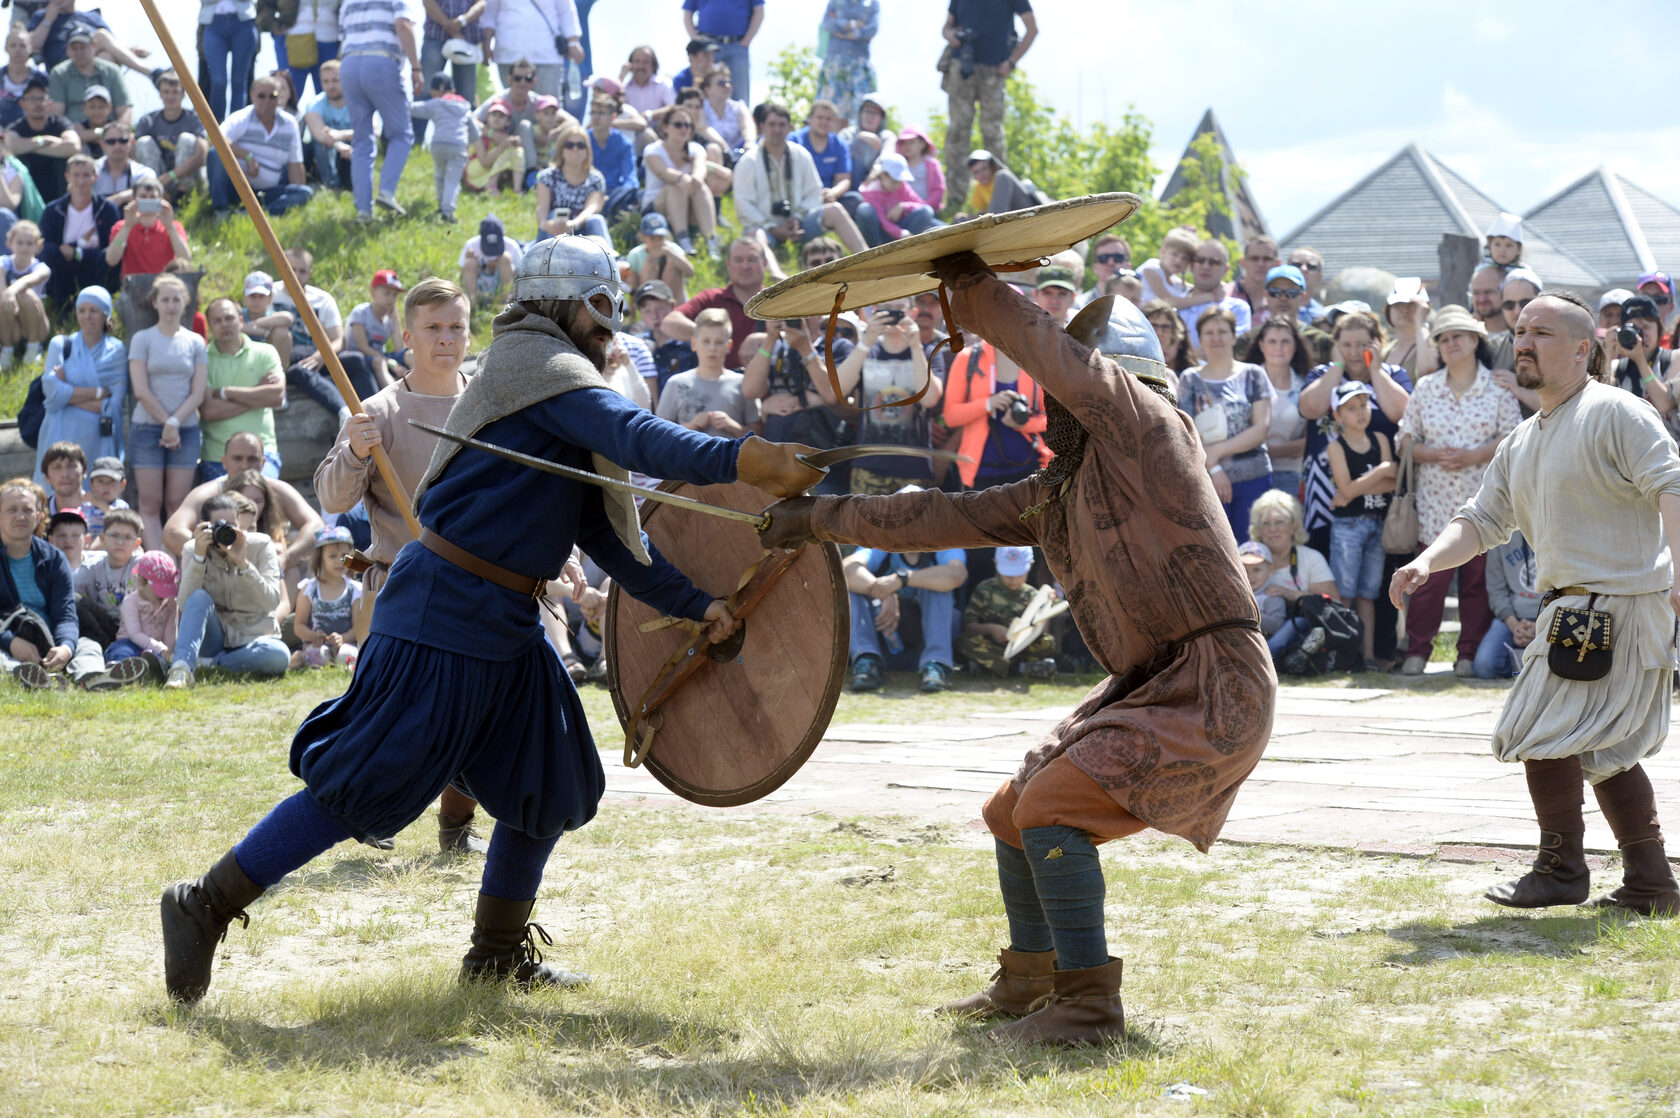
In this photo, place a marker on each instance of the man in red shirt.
(746, 279)
(148, 237)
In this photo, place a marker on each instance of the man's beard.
(1528, 373)
(593, 343)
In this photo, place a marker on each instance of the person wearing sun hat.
(890, 191)
(150, 612)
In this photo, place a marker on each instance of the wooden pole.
(282, 266)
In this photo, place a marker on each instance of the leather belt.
(467, 561)
(1551, 596)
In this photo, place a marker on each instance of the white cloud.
(1491, 30)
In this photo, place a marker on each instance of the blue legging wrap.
(1067, 876)
(1027, 929)
(513, 869)
(295, 833)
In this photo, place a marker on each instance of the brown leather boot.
(504, 948)
(196, 915)
(1648, 886)
(456, 835)
(1019, 986)
(1559, 876)
(1083, 1009)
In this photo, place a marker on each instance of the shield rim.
(712, 797)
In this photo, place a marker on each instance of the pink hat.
(541, 101)
(159, 571)
(913, 132)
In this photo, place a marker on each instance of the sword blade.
(823, 459)
(757, 520)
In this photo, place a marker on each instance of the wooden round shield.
(749, 716)
(903, 268)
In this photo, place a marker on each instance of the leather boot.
(504, 948)
(1648, 886)
(456, 835)
(1019, 986)
(196, 915)
(1084, 1008)
(1559, 876)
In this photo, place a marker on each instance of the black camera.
(781, 208)
(894, 316)
(224, 533)
(965, 50)
(107, 426)
(1020, 411)
(1628, 337)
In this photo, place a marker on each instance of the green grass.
(744, 967)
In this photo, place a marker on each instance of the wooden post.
(282, 266)
(1459, 256)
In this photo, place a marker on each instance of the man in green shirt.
(244, 385)
(70, 80)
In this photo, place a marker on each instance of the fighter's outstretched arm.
(925, 521)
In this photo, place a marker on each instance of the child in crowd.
(453, 131)
(373, 326)
(262, 322)
(901, 210)
(658, 258)
(1257, 564)
(63, 466)
(1126, 285)
(104, 493)
(1505, 242)
(488, 263)
(1362, 466)
(326, 604)
(102, 580)
(927, 177)
(709, 398)
(994, 604)
(67, 531)
(498, 158)
(23, 317)
(150, 612)
(545, 130)
(1163, 276)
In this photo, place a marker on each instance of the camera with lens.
(965, 50)
(224, 533)
(1020, 410)
(1628, 337)
(894, 316)
(782, 208)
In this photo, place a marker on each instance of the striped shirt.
(454, 9)
(274, 148)
(370, 26)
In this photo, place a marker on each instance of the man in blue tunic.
(456, 683)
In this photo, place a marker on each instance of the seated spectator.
(545, 130)
(259, 321)
(927, 177)
(150, 613)
(893, 199)
(41, 140)
(786, 374)
(243, 459)
(886, 370)
(1173, 335)
(870, 136)
(671, 355)
(644, 89)
(23, 317)
(171, 140)
(903, 605)
(167, 366)
(307, 372)
(69, 82)
(244, 382)
(96, 115)
(1210, 291)
(63, 467)
(488, 263)
(1275, 522)
(376, 334)
(117, 174)
(709, 397)
(613, 153)
(1257, 565)
(745, 264)
(656, 259)
(101, 580)
(676, 181)
(327, 117)
(730, 119)
(39, 633)
(995, 603)
(327, 602)
(229, 589)
(1514, 598)
(451, 140)
(105, 484)
(148, 238)
(999, 410)
(702, 60)
(20, 68)
(75, 232)
(996, 190)
(519, 103)
(498, 160)
(793, 208)
(18, 197)
(51, 23)
(572, 194)
(834, 168)
(268, 143)
(86, 384)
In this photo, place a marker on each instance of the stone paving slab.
(1350, 768)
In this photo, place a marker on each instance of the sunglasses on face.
(681, 124)
(1282, 292)
(1113, 258)
(1305, 267)
(1261, 259)
(1515, 304)
(112, 141)
(266, 96)
(1210, 261)
(573, 145)
(524, 77)
(1660, 300)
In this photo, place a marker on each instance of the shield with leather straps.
(726, 724)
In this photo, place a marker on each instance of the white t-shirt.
(510, 249)
(1155, 280)
(1310, 567)
(79, 227)
(324, 306)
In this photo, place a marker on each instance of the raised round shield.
(754, 708)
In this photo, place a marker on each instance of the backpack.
(32, 414)
(1344, 635)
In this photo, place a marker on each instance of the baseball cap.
(1526, 275)
(80, 33)
(1053, 276)
(1288, 272)
(498, 105)
(1640, 306)
(1615, 297)
(700, 46)
(895, 165)
(490, 240)
(107, 467)
(96, 91)
(653, 289)
(36, 81)
(1347, 306)
(258, 282)
(67, 516)
(1348, 390)
(386, 277)
(655, 225)
(1014, 561)
(981, 155)
(1661, 279)
(441, 80)
(1507, 225)
(334, 533)
(1254, 551)
(157, 569)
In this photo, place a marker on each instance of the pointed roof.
(1245, 221)
(1394, 218)
(1618, 228)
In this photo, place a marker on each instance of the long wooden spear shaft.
(282, 266)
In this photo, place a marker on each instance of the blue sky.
(1520, 99)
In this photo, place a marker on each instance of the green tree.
(793, 80)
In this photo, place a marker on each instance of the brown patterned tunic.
(1141, 544)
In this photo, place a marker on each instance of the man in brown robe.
(1129, 523)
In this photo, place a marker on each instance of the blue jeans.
(1293, 630)
(1243, 494)
(376, 83)
(275, 199)
(325, 52)
(1356, 556)
(938, 612)
(868, 221)
(1287, 480)
(626, 197)
(228, 36)
(121, 649)
(919, 219)
(8, 218)
(1494, 658)
(739, 60)
(200, 639)
(331, 168)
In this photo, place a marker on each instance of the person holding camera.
(230, 584)
(148, 237)
(785, 374)
(1641, 364)
(981, 50)
(779, 191)
(1000, 411)
(885, 372)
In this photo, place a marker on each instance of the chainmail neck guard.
(1066, 436)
